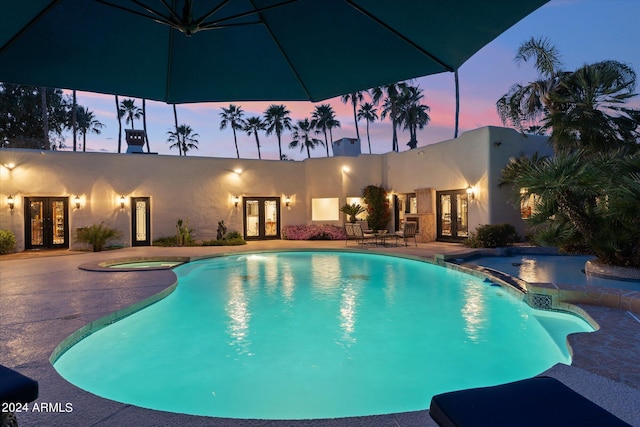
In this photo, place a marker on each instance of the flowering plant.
(313, 232)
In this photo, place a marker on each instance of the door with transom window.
(140, 221)
(261, 218)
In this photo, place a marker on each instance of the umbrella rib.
(35, 19)
(166, 21)
(401, 36)
(275, 40)
(256, 11)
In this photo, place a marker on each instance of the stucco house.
(449, 188)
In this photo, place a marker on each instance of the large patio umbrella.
(220, 50)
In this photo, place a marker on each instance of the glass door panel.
(58, 215)
(445, 214)
(270, 218)
(252, 218)
(141, 221)
(36, 209)
(462, 215)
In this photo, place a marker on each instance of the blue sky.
(584, 31)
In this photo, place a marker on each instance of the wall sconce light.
(77, 202)
(122, 200)
(236, 200)
(287, 200)
(471, 192)
(10, 166)
(237, 171)
(346, 169)
(10, 202)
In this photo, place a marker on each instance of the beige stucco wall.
(201, 190)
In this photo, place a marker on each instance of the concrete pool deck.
(44, 298)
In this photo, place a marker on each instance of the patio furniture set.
(355, 231)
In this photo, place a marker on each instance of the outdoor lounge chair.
(408, 232)
(15, 388)
(349, 233)
(534, 402)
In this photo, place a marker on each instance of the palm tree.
(582, 200)
(277, 119)
(119, 125)
(302, 137)
(524, 105)
(588, 109)
(87, 122)
(184, 138)
(369, 113)
(393, 93)
(355, 98)
(232, 116)
(323, 119)
(130, 111)
(412, 114)
(252, 126)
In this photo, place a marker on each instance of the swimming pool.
(298, 335)
(557, 269)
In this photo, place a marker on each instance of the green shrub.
(234, 241)
(165, 241)
(233, 235)
(97, 235)
(7, 242)
(493, 236)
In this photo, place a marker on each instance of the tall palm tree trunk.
(326, 141)
(258, 144)
(84, 142)
(368, 137)
(119, 125)
(279, 145)
(308, 152)
(74, 121)
(45, 116)
(354, 101)
(235, 140)
(455, 74)
(175, 118)
(144, 123)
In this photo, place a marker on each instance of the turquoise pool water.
(551, 269)
(299, 335)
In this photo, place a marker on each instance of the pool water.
(299, 335)
(551, 269)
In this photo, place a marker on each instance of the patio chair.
(534, 402)
(16, 389)
(361, 235)
(408, 232)
(349, 233)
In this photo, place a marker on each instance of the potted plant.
(352, 210)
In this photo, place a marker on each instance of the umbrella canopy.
(181, 51)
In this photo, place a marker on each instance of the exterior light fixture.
(10, 202)
(122, 200)
(77, 202)
(471, 193)
(287, 200)
(10, 166)
(346, 168)
(237, 171)
(236, 200)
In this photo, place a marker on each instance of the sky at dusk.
(584, 31)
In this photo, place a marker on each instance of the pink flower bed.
(313, 232)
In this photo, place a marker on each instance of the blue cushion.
(16, 388)
(534, 402)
